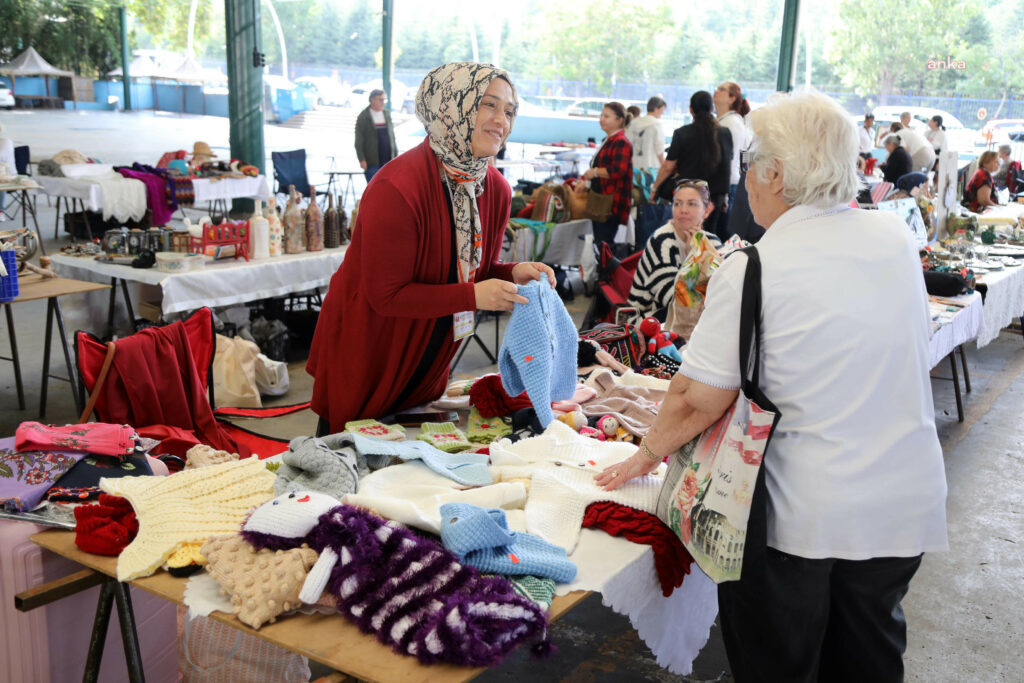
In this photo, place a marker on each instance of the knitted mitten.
(444, 436)
(376, 429)
(485, 429)
(107, 527)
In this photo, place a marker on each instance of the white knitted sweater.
(563, 464)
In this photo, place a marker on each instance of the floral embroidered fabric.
(26, 475)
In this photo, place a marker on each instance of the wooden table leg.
(99, 633)
(129, 634)
(14, 357)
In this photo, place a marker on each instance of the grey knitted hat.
(330, 464)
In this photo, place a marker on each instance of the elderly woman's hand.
(497, 295)
(637, 465)
(528, 271)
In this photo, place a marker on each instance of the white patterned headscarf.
(447, 105)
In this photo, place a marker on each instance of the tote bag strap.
(750, 323)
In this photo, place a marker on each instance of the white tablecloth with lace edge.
(1004, 302)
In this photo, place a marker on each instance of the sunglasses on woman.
(687, 182)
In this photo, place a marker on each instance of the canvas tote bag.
(713, 496)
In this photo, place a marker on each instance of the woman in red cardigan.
(424, 256)
(611, 171)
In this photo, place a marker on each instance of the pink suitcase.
(51, 643)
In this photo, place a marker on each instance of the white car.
(328, 91)
(1001, 132)
(6, 97)
(958, 136)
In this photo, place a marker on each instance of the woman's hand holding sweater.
(497, 295)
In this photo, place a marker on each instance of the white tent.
(30, 63)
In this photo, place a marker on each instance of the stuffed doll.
(658, 340)
(408, 591)
(612, 430)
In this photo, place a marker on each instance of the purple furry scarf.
(416, 596)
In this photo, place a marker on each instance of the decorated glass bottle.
(276, 230)
(332, 238)
(259, 234)
(293, 225)
(344, 237)
(314, 223)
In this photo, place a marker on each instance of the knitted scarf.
(416, 596)
(447, 105)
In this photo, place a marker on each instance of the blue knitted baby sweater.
(481, 538)
(538, 354)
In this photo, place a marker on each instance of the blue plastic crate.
(9, 282)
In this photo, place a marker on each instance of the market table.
(1004, 301)
(20, 188)
(325, 638)
(31, 288)
(219, 283)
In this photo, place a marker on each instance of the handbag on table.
(714, 496)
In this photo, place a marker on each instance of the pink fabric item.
(634, 407)
(583, 393)
(99, 438)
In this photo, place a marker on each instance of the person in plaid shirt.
(611, 171)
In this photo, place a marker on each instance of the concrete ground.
(965, 608)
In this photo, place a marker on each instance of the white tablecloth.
(220, 283)
(90, 193)
(208, 189)
(964, 327)
(1003, 302)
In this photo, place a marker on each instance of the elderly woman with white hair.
(855, 488)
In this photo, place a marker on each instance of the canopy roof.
(29, 63)
(188, 70)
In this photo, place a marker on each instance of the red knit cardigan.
(382, 302)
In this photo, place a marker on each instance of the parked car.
(958, 135)
(6, 97)
(327, 90)
(403, 98)
(1001, 132)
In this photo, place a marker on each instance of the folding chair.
(614, 280)
(290, 169)
(178, 413)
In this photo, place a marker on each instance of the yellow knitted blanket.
(187, 507)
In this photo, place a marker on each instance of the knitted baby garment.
(481, 538)
(410, 592)
(310, 465)
(538, 354)
(465, 468)
(562, 465)
(189, 506)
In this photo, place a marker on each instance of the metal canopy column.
(386, 49)
(245, 88)
(788, 46)
(126, 57)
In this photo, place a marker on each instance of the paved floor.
(965, 607)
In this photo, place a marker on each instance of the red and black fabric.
(616, 156)
(980, 179)
(107, 527)
(491, 400)
(671, 559)
(384, 300)
(614, 280)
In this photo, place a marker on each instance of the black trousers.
(794, 619)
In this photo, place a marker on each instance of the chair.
(163, 385)
(614, 280)
(290, 169)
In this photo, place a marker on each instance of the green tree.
(611, 41)
(872, 60)
(81, 37)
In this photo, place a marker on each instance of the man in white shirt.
(648, 137)
(867, 135)
(855, 485)
(920, 150)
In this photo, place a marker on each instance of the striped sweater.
(651, 293)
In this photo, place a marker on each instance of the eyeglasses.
(687, 182)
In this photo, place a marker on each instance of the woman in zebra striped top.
(651, 293)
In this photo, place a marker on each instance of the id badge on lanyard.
(463, 321)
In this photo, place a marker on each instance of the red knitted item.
(107, 527)
(491, 400)
(671, 558)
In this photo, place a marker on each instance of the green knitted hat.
(377, 430)
(444, 436)
(486, 429)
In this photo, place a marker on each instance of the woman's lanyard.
(462, 321)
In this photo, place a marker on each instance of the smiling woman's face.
(494, 119)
